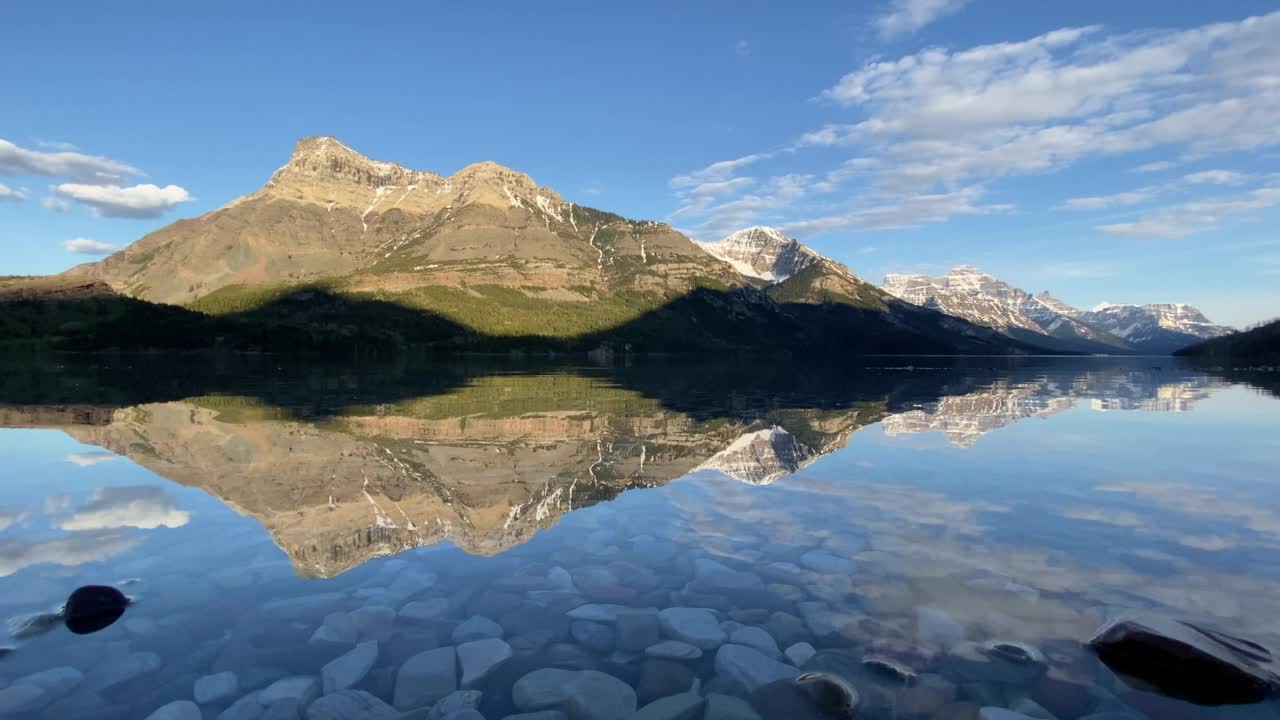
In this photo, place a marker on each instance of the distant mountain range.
(1043, 320)
(338, 249)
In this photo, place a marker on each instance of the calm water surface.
(269, 517)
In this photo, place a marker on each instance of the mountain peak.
(323, 158)
(967, 271)
(763, 252)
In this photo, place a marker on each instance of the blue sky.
(1106, 151)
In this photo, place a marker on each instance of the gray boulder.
(350, 668)
(351, 705)
(749, 668)
(177, 710)
(426, 677)
(478, 658)
(696, 626)
(593, 695)
(685, 706)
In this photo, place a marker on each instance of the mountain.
(969, 293)
(1159, 328)
(331, 212)
(763, 253)
(338, 250)
(1257, 344)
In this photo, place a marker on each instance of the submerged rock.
(593, 695)
(350, 705)
(426, 677)
(1188, 661)
(696, 626)
(349, 669)
(93, 607)
(215, 687)
(479, 658)
(749, 668)
(178, 710)
(834, 696)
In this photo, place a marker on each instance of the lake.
(944, 535)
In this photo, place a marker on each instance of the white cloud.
(93, 457)
(139, 506)
(716, 171)
(9, 518)
(57, 502)
(904, 212)
(86, 246)
(137, 201)
(1037, 105)
(14, 194)
(1120, 199)
(907, 16)
(15, 160)
(926, 127)
(725, 217)
(1216, 177)
(72, 550)
(1190, 218)
(56, 145)
(55, 204)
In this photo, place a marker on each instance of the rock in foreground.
(1188, 661)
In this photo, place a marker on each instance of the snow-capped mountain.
(763, 253)
(967, 292)
(760, 457)
(1155, 328)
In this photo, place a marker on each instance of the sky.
(1123, 152)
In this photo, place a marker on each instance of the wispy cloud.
(909, 211)
(1190, 218)
(908, 16)
(87, 246)
(137, 506)
(55, 204)
(137, 201)
(91, 457)
(742, 48)
(1120, 199)
(922, 130)
(56, 145)
(15, 160)
(1216, 177)
(13, 194)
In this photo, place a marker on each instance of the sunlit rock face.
(969, 293)
(1157, 328)
(763, 253)
(330, 212)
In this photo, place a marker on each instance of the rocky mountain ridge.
(1157, 327)
(980, 298)
(763, 253)
(331, 212)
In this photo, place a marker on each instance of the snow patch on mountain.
(763, 252)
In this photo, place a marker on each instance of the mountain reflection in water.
(495, 454)
(868, 509)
